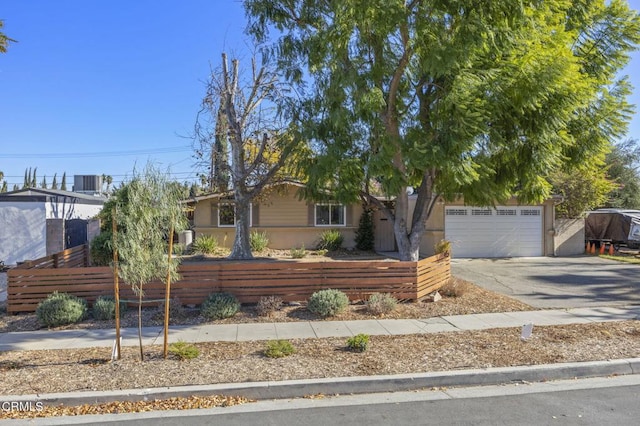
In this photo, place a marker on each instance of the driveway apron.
(555, 282)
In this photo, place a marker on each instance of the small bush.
(104, 308)
(179, 249)
(358, 343)
(455, 287)
(184, 350)
(443, 247)
(219, 306)
(61, 309)
(205, 244)
(268, 305)
(331, 240)
(328, 303)
(279, 349)
(176, 309)
(381, 303)
(258, 241)
(298, 253)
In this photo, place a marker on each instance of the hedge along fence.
(248, 281)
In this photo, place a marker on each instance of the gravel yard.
(224, 362)
(45, 371)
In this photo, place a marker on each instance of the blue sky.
(111, 85)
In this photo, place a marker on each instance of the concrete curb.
(352, 385)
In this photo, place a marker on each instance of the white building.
(38, 222)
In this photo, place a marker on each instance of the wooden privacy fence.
(248, 281)
(75, 257)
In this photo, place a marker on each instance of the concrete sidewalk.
(68, 339)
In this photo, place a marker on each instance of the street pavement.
(555, 282)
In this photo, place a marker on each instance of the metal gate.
(75, 232)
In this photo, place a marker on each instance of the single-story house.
(288, 220)
(38, 222)
(509, 230)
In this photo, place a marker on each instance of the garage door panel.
(503, 232)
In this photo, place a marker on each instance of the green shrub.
(219, 306)
(179, 249)
(184, 350)
(381, 303)
(205, 244)
(327, 303)
(268, 305)
(358, 343)
(331, 239)
(365, 237)
(101, 252)
(258, 241)
(298, 253)
(61, 309)
(104, 308)
(279, 349)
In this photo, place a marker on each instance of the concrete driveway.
(555, 282)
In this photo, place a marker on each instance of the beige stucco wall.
(569, 237)
(287, 220)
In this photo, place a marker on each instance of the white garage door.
(506, 231)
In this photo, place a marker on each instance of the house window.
(227, 214)
(330, 215)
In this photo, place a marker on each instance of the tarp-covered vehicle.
(616, 226)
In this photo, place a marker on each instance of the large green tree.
(475, 98)
(623, 168)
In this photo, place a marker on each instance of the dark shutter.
(255, 215)
(311, 216)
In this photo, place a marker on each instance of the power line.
(166, 150)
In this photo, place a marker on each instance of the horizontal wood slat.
(74, 257)
(248, 281)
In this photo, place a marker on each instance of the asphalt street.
(598, 401)
(555, 282)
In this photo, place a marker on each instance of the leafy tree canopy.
(4, 40)
(474, 98)
(623, 168)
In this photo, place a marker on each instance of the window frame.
(231, 203)
(330, 205)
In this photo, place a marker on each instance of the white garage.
(504, 231)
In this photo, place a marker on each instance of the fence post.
(86, 253)
(56, 259)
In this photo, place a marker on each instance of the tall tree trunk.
(241, 244)
(407, 248)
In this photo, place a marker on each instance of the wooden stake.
(116, 284)
(167, 295)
